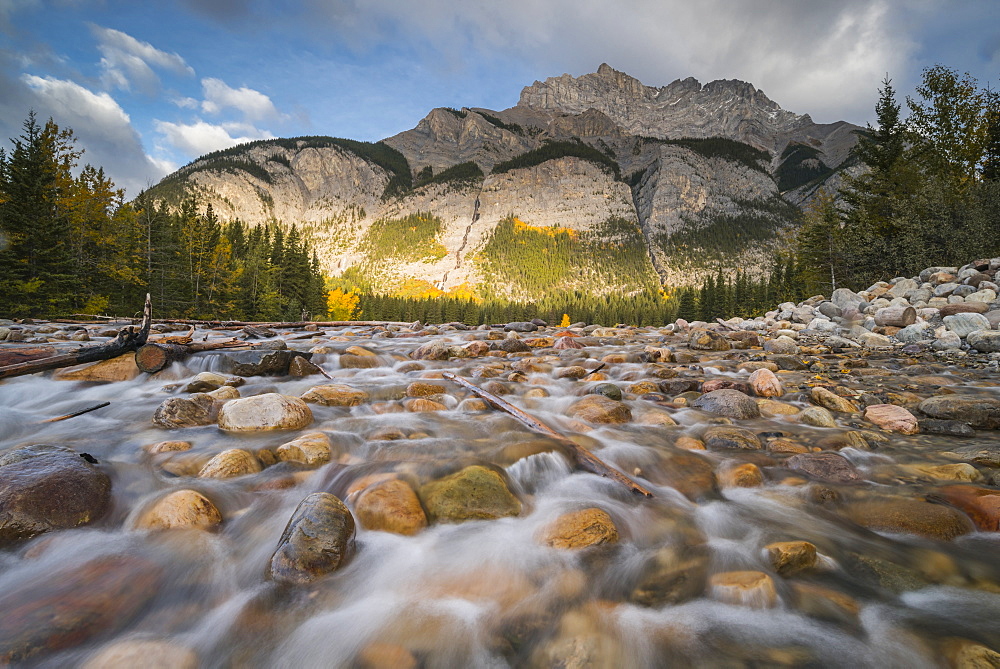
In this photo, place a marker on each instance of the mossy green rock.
(474, 493)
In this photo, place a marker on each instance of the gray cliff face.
(685, 198)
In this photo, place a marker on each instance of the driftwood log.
(585, 460)
(128, 339)
(898, 317)
(154, 356)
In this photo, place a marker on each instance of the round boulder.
(269, 411)
(180, 509)
(317, 540)
(473, 493)
(730, 403)
(49, 491)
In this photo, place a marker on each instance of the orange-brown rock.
(390, 506)
(580, 529)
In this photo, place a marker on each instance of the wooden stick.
(77, 413)
(584, 459)
(128, 339)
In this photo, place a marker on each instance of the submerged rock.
(65, 608)
(318, 540)
(335, 395)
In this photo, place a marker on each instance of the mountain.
(596, 182)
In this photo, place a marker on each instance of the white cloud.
(198, 138)
(126, 61)
(102, 127)
(812, 56)
(254, 105)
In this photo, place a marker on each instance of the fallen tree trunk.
(16, 355)
(154, 356)
(238, 325)
(128, 339)
(585, 460)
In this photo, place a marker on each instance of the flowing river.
(742, 557)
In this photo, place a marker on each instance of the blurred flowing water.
(489, 593)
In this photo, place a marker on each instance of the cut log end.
(152, 358)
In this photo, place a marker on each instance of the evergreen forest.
(70, 244)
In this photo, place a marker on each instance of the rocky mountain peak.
(684, 108)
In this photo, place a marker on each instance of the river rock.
(829, 400)
(753, 589)
(431, 351)
(825, 466)
(351, 361)
(318, 540)
(951, 428)
(423, 389)
(730, 436)
(230, 463)
(49, 490)
(145, 653)
(707, 340)
(893, 418)
(791, 557)
(390, 506)
(580, 529)
(673, 574)
(733, 474)
(335, 394)
(520, 327)
(168, 447)
(122, 368)
(726, 384)
(191, 411)
(180, 509)
(817, 417)
(259, 362)
(609, 390)
(765, 383)
(730, 403)
(909, 516)
(600, 409)
(312, 449)
(982, 505)
(473, 493)
(977, 411)
(947, 341)
(301, 367)
(269, 411)
(985, 341)
(964, 324)
(783, 345)
(204, 382)
(63, 608)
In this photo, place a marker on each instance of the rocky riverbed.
(826, 492)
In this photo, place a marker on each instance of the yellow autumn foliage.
(550, 231)
(342, 306)
(565, 322)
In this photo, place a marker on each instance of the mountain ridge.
(694, 168)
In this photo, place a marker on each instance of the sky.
(149, 86)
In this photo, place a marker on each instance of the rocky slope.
(573, 154)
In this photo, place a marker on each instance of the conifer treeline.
(930, 195)
(71, 244)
